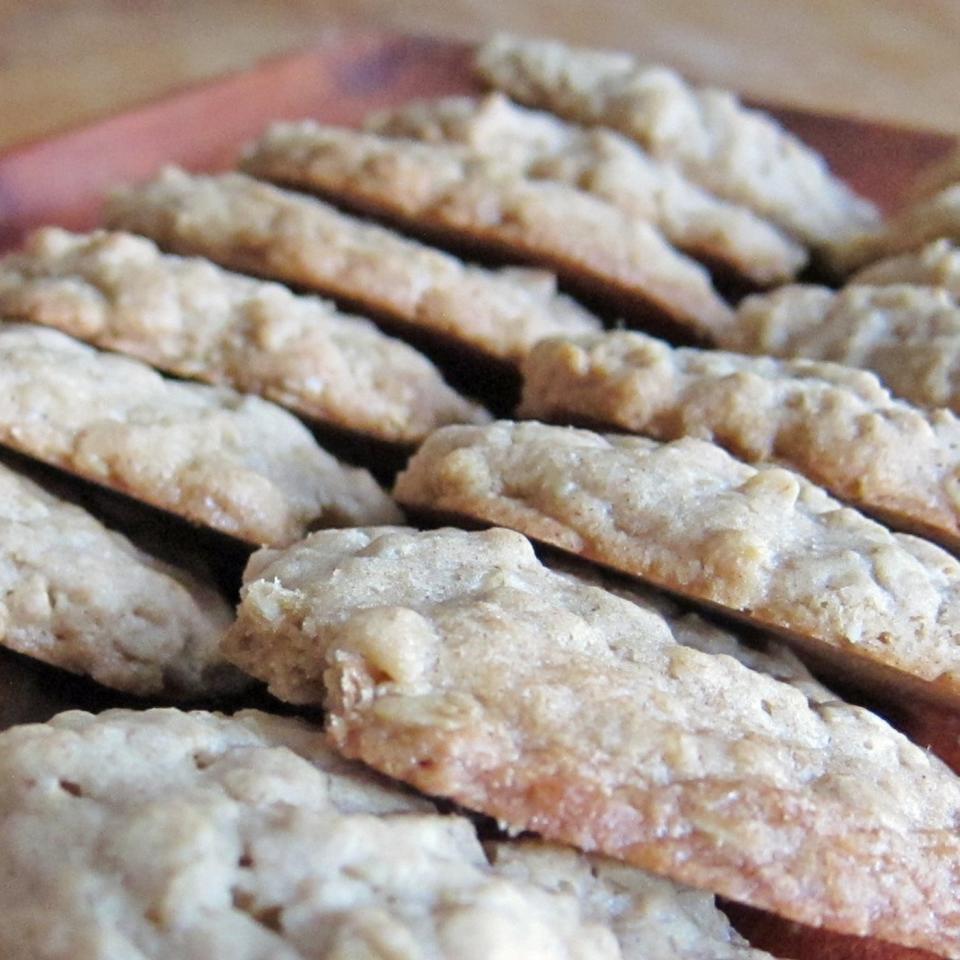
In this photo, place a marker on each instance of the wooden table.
(64, 63)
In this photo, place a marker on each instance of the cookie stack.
(576, 676)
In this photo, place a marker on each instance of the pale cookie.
(175, 836)
(909, 336)
(931, 218)
(457, 662)
(235, 463)
(78, 596)
(836, 425)
(452, 192)
(763, 544)
(935, 265)
(193, 319)
(252, 226)
(540, 146)
(742, 155)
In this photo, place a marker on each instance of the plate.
(62, 179)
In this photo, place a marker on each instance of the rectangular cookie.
(193, 319)
(81, 597)
(727, 237)
(760, 543)
(235, 463)
(909, 336)
(166, 835)
(936, 217)
(456, 662)
(739, 154)
(246, 225)
(453, 193)
(836, 425)
(935, 265)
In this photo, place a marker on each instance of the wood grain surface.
(63, 64)
(62, 179)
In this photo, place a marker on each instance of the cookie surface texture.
(561, 708)
(836, 425)
(740, 154)
(196, 836)
(614, 168)
(254, 227)
(76, 595)
(761, 543)
(195, 320)
(236, 463)
(908, 335)
(471, 198)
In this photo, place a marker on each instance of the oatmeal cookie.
(451, 192)
(836, 425)
(761, 543)
(251, 226)
(739, 154)
(196, 320)
(175, 836)
(79, 596)
(724, 235)
(909, 336)
(457, 662)
(232, 462)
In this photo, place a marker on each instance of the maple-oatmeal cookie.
(190, 318)
(178, 836)
(453, 193)
(236, 463)
(836, 425)
(257, 228)
(760, 543)
(456, 662)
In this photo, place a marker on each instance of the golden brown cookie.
(232, 462)
(909, 336)
(739, 154)
(836, 425)
(79, 596)
(761, 543)
(179, 836)
(193, 319)
(450, 192)
(724, 235)
(457, 662)
(251, 226)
